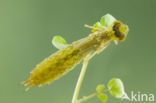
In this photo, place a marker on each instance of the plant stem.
(85, 98)
(80, 79)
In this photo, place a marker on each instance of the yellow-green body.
(64, 60)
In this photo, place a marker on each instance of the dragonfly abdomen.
(55, 66)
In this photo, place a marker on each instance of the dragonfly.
(64, 60)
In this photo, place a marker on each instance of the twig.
(85, 98)
(80, 79)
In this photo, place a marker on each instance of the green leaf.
(99, 88)
(116, 88)
(107, 20)
(96, 25)
(102, 97)
(99, 26)
(59, 42)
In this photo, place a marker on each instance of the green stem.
(80, 79)
(85, 98)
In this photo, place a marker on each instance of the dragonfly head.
(120, 31)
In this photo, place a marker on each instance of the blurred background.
(26, 30)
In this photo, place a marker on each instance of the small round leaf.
(116, 88)
(102, 97)
(99, 88)
(107, 20)
(96, 25)
(59, 42)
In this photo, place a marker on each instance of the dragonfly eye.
(121, 30)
